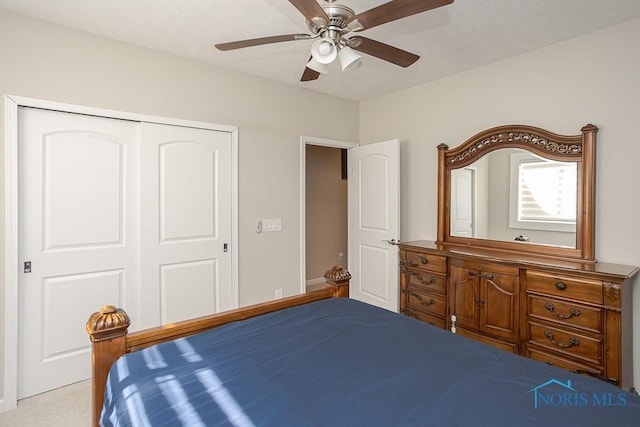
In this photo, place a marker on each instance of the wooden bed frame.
(107, 330)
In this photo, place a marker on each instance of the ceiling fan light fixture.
(317, 66)
(348, 58)
(330, 25)
(324, 51)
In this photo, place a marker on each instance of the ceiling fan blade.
(309, 75)
(260, 41)
(397, 9)
(383, 51)
(310, 9)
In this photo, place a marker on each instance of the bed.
(320, 359)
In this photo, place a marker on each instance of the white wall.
(590, 79)
(46, 61)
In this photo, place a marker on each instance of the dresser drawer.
(566, 287)
(426, 261)
(567, 342)
(565, 312)
(426, 301)
(431, 281)
(569, 365)
(506, 346)
(427, 318)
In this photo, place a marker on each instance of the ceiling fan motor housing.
(339, 16)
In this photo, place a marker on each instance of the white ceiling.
(450, 39)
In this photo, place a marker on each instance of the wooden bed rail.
(107, 330)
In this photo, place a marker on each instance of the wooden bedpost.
(107, 330)
(338, 281)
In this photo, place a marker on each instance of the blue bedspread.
(340, 362)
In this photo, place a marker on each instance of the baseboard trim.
(315, 284)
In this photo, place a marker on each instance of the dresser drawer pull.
(561, 286)
(480, 275)
(424, 260)
(431, 281)
(577, 371)
(413, 316)
(595, 375)
(425, 303)
(408, 264)
(574, 312)
(573, 342)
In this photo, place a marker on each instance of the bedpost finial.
(338, 281)
(337, 273)
(110, 322)
(108, 309)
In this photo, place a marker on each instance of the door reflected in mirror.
(513, 195)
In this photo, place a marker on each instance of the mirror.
(520, 188)
(515, 195)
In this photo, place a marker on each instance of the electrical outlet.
(341, 256)
(278, 293)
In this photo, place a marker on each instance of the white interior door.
(462, 202)
(186, 237)
(374, 220)
(115, 212)
(77, 207)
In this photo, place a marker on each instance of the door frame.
(304, 141)
(11, 227)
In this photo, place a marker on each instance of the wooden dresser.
(573, 315)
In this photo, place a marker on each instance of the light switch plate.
(271, 225)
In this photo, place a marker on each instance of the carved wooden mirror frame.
(578, 148)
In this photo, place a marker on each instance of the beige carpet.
(68, 406)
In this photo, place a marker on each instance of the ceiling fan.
(331, 24)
